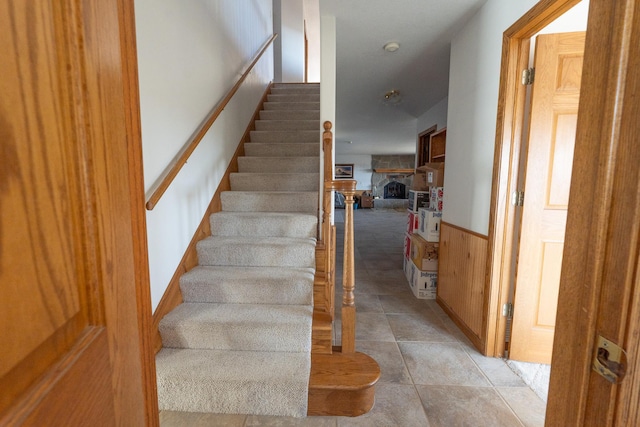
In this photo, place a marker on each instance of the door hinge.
(528, 76)
(517, 198)
(609, 360)
(507, 310)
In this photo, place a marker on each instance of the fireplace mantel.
(395, 171)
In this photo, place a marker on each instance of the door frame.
(600, 279)
(506, 164)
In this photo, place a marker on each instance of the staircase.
(241, 340)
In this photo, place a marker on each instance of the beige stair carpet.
(240, 343)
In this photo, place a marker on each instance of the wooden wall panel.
(461, 280)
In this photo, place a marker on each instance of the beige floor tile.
(497, 371)
(404, 303)
(441, 364)
(396, 405)
(257, 420)
(419, 327)
(366, 303)
(388, 356)
(526, 404)
(466, 406)
(373, 327)
(195, 419)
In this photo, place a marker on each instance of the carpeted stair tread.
(263, 224)
(294, 97)
(268, 181)
(247, 312)
(274, 164)
(290, 115)
(250, 327)
(248, 285)
(256, 251)
(293, 125)
(270, 201)
(299, 136)
(233, 382)
(291, 106)
(270, 149)
(280, 90)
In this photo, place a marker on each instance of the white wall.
(471, 118)
(436, 115)
(312, 19)
(361, 168)
(289, 23)
(190, 54)
(328, 76)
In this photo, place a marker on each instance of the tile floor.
(431, 374)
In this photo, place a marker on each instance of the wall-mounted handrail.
(167, 177)
(348, 188)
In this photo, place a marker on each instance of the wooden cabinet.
(437, 146)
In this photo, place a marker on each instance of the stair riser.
(290, 115)
(315, 86)
(278, 164)
(281, 125)
(265, 225)
(294, 98)
(270, 149)
(292, 106)
(301, 136)
(246, 286)
(216, 382)
(256, 255)
(269, 182)
(198, 326)
(233, 201)
(295, 90)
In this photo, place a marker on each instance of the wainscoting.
(461, 280)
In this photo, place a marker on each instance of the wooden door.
(554, 111)
(74, 295)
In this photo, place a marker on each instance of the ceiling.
(419, 69)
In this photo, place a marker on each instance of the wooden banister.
(348, 188)
(169, 174)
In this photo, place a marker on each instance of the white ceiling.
(365, 71)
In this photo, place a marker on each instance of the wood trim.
(402, 171)
(461, 280)
(165, 180)
(138, 217)
(172, 296)
(509, 127)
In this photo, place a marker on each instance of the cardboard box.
(407, 245)
(423, 284)
(434, 174)
(436, 195)
(424, 254)
(429, 224)
(419, 182)
(366, 201)
(412, 222)
(418, 199)
(406, 266)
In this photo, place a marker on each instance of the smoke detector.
(391, 47)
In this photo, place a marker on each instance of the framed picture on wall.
(344, 171)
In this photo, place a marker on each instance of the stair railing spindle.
(346, 187)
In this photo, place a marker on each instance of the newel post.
(348, 276)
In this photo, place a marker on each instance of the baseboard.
(172, 296)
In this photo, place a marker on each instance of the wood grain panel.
(461, 277)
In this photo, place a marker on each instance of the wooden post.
(348, 277)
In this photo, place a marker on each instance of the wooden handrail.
(169, 174)
(348, 188)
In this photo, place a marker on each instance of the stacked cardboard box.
(423, 230)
